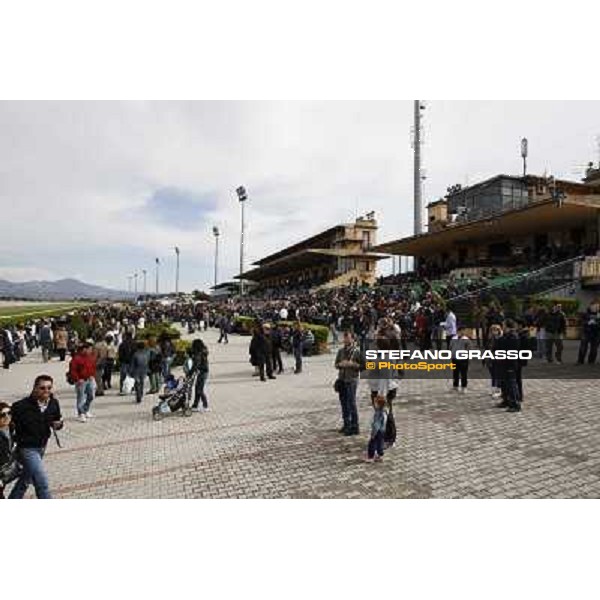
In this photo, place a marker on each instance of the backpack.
(389, 435)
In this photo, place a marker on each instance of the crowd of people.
(110, 340)
(95, 340)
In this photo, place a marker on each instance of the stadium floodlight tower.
(157, 268)
(417, 141)
(177, 271)
(242, 197)
(524, 152)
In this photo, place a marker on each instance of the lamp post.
(157, 267)
(144, 272)
(524, 152)
(216, 233)
(135, 277)
(177, 272)
(129, 278)
(242, 197)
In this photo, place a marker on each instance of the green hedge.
(181, 350)
(245, 325)
(157, 331)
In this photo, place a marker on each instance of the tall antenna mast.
(419, 105)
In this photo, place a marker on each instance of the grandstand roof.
(304, 258)
(537, 217)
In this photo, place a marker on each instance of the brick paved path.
(279, 440)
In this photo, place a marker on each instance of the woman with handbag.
(9, 468)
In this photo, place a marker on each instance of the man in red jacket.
(83, 372)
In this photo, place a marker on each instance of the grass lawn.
(28, 311)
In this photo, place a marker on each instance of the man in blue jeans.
(347, 362)
(33, 419)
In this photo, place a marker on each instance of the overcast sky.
(98, 190)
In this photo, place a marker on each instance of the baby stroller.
(176, 399)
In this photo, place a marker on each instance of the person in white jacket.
(450, 326)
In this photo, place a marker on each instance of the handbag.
(128, 384)
(337, 385)
(389, 435)
(10, 471)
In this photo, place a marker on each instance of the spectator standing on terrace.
(7, 348)
(167, 351)
(556, 327)
(277, 346)
(82, 369)
(375, 447)
(450, 326)
(384, 386)
(333, 319)
(223, 329)
(298, 345)
(508, 369)
(492, 365)
(154, 366)
(590, 334)
(199, 355)
(6, 443)
(111, 355)
(347, 362)
(460, 342)
(46, 338)
(269, 341)
(139, 369)
(260, 352)
(125, 353)
(101, 355)
(61, 341)
(423, 327)
(478, 318)
(34, 418)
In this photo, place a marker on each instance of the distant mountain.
(63, 289)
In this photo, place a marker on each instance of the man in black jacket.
(125, 353)
(556, 327)
(509, 369)
(33, 419)
(590, 338)
(277, 345)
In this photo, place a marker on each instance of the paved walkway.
(279, 440)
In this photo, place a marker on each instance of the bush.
(78, 325)
(157, 331)
(181, 350)
(243, 325)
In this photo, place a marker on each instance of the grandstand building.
(508, 224)
(338, 256)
